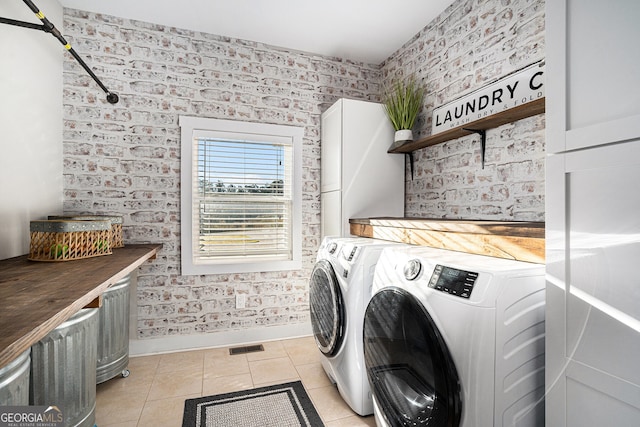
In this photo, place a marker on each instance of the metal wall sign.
(512, 90)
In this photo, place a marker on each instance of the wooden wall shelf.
(522, 241)
(517, 113)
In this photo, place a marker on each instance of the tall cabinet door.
(331, 213)
(359, 179)
(372, 179)
(593, 213)
(331, 148)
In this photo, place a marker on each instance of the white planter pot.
(403, 135)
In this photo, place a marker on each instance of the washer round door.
(411, 372)
(327, 308)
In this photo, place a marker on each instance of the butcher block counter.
(522, 241)
(36, 297)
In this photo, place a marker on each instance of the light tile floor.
(153, 394)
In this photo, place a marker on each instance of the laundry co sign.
(511, 91)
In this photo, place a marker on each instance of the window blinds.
(242, 197)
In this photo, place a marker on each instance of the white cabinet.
(592, 221)
(358, 178)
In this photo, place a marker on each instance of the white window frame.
(190, 127)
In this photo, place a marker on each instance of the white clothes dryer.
(455, 340)
(339, 291)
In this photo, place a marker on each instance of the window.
(241, 196)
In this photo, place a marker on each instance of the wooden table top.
(36, 297)
(522, 241)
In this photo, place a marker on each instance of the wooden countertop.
(522, 241)
(36, 297)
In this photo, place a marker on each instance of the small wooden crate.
(117, 240)
(66, 240)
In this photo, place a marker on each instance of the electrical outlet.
(241, 300)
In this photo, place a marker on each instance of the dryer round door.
(327, 308)
(411, 372)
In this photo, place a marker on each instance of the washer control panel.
(332, 248)
(349, 252)
(453, 281)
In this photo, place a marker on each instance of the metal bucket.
(63, 369)
(14, 381)
(113, 332)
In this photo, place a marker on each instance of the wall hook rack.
(483, 141)
(48, 27)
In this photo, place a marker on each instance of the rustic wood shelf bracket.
(483, 141)
(411, 163)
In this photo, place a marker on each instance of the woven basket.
(116, 225)
(65, 240)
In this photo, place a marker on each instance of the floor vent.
(246, 349)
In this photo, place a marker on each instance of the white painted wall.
(30, 124)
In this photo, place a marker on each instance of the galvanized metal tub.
(113, 332)
(63, 369)
(14, 381)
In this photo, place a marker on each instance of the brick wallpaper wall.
(470, 44)
(124, 158)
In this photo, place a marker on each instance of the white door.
(593, 213)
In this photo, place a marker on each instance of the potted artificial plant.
(402, 101)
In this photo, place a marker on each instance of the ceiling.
(360, 30)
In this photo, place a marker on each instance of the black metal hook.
(48, 27)
(483, 141)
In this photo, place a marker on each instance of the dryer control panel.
(453, 281)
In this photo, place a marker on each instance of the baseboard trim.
(219, 339)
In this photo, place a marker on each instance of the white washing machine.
(339, 291)
(455, 340)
